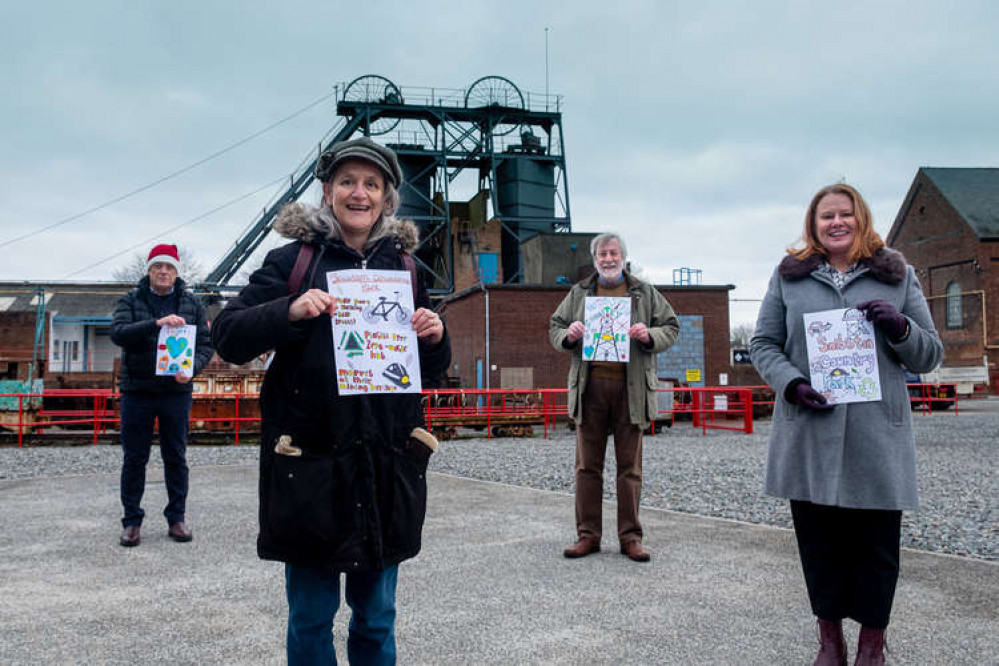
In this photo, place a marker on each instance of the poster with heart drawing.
(175, 350)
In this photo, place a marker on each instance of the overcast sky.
(698, 130)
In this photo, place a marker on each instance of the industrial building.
(948, 229)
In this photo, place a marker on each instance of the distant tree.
(191, 269)
(740, 335)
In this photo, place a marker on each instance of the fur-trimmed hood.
(298, 221)
(885, 265)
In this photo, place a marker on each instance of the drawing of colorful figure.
(839, 380)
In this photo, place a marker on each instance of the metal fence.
(500, 412)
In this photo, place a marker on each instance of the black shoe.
(129, 536)
(179, 532)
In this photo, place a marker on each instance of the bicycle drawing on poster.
(374, 343)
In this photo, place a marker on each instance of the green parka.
(649, 307)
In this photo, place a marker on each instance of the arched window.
(955, 318)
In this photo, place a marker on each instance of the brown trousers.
(605, 408)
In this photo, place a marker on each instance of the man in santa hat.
(160, 299)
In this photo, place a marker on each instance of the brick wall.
(943, 249)
(17, 339)
(519, 316)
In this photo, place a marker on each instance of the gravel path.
(716, 474)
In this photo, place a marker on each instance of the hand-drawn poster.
(374, 342)
(842, 356)
(175, 350)
(606, 320)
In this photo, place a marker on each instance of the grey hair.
(602, 239)
(382, 226)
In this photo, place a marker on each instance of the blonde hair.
(866, 240)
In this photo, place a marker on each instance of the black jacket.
(134, 329)
(354, 500)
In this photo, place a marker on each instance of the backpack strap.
(410, 264)
(298, 270)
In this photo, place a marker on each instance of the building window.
(76, 350)
(955, 318)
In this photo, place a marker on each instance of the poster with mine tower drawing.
(606, 320)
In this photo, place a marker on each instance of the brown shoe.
(585, 546)
(870, 647)
(634, 551)
(832, 647)
(129, 536)
(179, 532)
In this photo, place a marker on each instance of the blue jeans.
(138, 412)
(313, 599)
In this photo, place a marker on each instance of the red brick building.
(948, 229)
(517, 346)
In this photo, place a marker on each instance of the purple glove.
(805, 396)
(884, 315)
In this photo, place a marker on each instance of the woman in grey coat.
(848, 469)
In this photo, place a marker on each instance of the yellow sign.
(693, 375)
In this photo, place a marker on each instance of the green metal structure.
(512, 141)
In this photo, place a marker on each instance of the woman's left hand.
(428, 326)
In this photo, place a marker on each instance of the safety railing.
(494, 409)
(932, 397)
(711, 407)
(96, 411)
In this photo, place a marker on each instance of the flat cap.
(359, 149)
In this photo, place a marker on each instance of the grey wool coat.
(647, 306)
(858, 455)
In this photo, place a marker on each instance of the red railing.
(714, 407)
(931, 395)
(99, 415)
(489, 408)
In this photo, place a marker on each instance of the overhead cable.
(170, 176)
(179, 226)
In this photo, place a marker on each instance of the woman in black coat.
(342, 478)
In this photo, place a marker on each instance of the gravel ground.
(715, 474)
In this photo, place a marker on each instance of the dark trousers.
(138, 412)
(850, 559)
(605, 408)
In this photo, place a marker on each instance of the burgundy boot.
(832, 647)
(870, 647)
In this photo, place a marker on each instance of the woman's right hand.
(310, 305)
(806, 396)
(575, 331)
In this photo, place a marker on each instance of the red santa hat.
(166, 254)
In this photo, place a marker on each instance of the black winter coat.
(355, 500)
(134, 329)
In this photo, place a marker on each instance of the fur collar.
(885, 265)
(298, 221)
